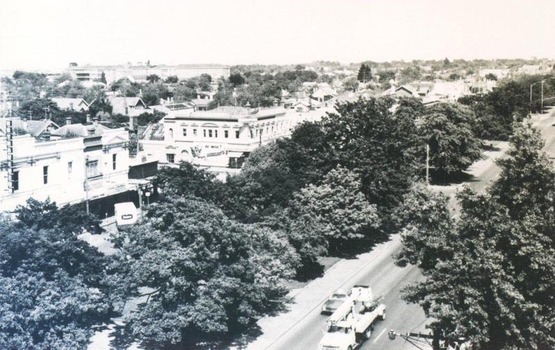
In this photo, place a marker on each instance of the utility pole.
(86, 186)
(541, 110)
(427, 164)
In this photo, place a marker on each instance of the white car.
(334, 301)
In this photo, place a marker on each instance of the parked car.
(334, 301)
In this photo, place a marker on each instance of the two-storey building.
(72, 164)
(221, 137)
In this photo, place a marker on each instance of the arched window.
(171, 133)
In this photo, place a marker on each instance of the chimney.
(96, 119)
(68, 120)
(89, 120)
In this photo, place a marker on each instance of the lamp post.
(427, 164)
(541, 93)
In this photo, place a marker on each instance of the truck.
(353, 321)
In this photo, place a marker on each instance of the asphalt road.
(387, 280)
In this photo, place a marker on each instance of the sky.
(49, 34)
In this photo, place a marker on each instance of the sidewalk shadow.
(455, 179)
(350, 249)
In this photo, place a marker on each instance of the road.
(305, 329)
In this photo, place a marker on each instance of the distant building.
(174, 107)
(499, 73)
(219, 138)
(141, 71)
(71, 104)
(323, 92)
(130, 106)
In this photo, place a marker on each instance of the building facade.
(219, 138)
(77, 163)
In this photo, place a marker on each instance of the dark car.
(334, 301)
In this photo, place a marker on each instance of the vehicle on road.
(353, 321)
(334, 301)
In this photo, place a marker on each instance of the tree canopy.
(448, 128)
(489, 272)
(52, 284)
(208, 275)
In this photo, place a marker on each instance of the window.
(215, 133)
(92, 168)
(45, 174)
(15, 181)
(170, 133)
(226, 134)
(114, 156)
(236, 134)
(210, 133)
(170, 158)
(69, 169)
(204, 131)
(195, 132)
(185, 132)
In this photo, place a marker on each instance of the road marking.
(378, 337)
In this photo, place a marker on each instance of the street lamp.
(541, 95)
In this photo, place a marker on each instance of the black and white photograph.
(277, 175)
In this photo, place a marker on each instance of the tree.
(236, 79)
(152, 93)
(208, 276)
(187, 180)
(52, 284)
(266, 183)
(409, 108)
(364, 73)
(426, 224)
(382, 148)
(350, 84)
(341, 206)
(489, 273)
(527, 182)
(448, 130)
(152, 78)
(47, 215)
(305, 233)
(491, 76)
(172, 79)
(38, 109)
(483, 290)
(103, 78)
(410, 74)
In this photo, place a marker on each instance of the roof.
(324, 90)
(70, 103)
(126, 101)
(235, 112)
(79, 130)
(33, 127)
(201, 102)
(154, 131)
